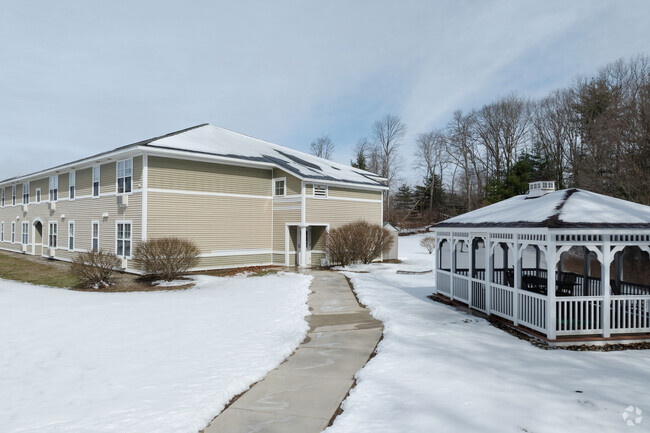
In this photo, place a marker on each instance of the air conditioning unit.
(123, 263)
(324, 263)
(51, 252)
(23, 248)
(51, 205)
(123, 200)
(24, 208)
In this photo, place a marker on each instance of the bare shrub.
(95, 268)
(358, 241)
(166, 258)
(429, 243)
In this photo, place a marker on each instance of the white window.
(73, 180)
(26, 193)
(279, 189)
(38, 195)
(320, 191)
(71, 236)
(2, 231)
(13, 232)
(54, 187)
(95, 236)
(52, 235)
(123, 239)
(13, 195)
(96, 181)
(124, 176)
(25, 233)
(2, 200)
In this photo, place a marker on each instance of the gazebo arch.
(539, 262)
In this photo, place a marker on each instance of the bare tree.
(388, 133)
(430, 153)
(322, 147)
(461, 147)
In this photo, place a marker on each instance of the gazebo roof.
(569, 208)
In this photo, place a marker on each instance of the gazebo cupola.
(563, 264)
(541, 187)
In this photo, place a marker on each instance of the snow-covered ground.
(439, 370)
(141, 362)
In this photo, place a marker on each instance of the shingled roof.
(212, 140)
(570, 208)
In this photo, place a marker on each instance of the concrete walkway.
(304, 392)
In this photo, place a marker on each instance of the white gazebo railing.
(557, 303)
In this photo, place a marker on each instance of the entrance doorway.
(37, 238)
(298, 245)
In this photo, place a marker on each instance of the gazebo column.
(489, 271)
(517, 282)
(586, 271)
(552, 259)
(537, 260)
(452, 265)
(470, 271)
(605, 285)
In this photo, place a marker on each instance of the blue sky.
(81, 77)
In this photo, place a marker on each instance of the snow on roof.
(564, 208)
(209, 139)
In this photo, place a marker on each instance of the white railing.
(630, 314)
(461, 288)
(501, 298)
(532, 310)
(444, 282)
(478, 296)
(579, 315)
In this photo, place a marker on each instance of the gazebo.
(563, 264)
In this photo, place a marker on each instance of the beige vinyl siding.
(84, 182)
(107, 178)
(318, 238)
(280, 219)
(137, 172)
(316, 258)
(278, 259)
(178, 174)
(43, 184)
(293, 184)
(82, 211)
(64, 184)
(292, 260)
(213, 222)
(337, 213)
(335, 191)
(19, 194)
(234, 261)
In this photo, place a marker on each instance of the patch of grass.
(18, 268)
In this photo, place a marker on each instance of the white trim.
(117, 177)
(223, 253)
(363, 200)
(287, 208)
(2, 231)
(284, 187)
(287, 198)
(71, 174)
(145, 196)
(313, 191)
(194, 156)
(93, 222)
(130, 239)
(205, 193)
(99, 181)
(74, 236)
(12, 233)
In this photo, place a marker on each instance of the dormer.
(540, 187)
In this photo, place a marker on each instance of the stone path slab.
(304, 392)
